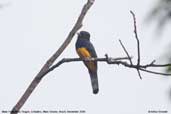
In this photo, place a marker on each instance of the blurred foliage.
(162, 13)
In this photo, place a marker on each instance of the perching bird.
(85, 49)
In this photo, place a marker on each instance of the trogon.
(85, 49)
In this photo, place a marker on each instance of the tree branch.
(136, 36)
(110, 60)
(66, 60)
(52, 59)
(138, 43)
(126, 52)
(154, 72)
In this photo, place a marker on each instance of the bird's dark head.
(84, 35)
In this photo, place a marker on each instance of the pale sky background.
(32, 30)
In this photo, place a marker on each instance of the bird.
(85, 49)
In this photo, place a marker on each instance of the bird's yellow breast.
(84, 53)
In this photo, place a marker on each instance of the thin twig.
(139, 74)
(155, 65)
(136, 36)
(52, 59)
(141, 67)
(154, 72)
(126, 51)
(138, 43)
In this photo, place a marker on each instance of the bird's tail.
(94, 82)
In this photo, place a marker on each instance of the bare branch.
(126, 52)
(154, 72)
(139, 66)
(139, 74)
(136, 36)
(138, 43)
(67, 60)
(155, 65)
(110, 60)
(52, 59)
